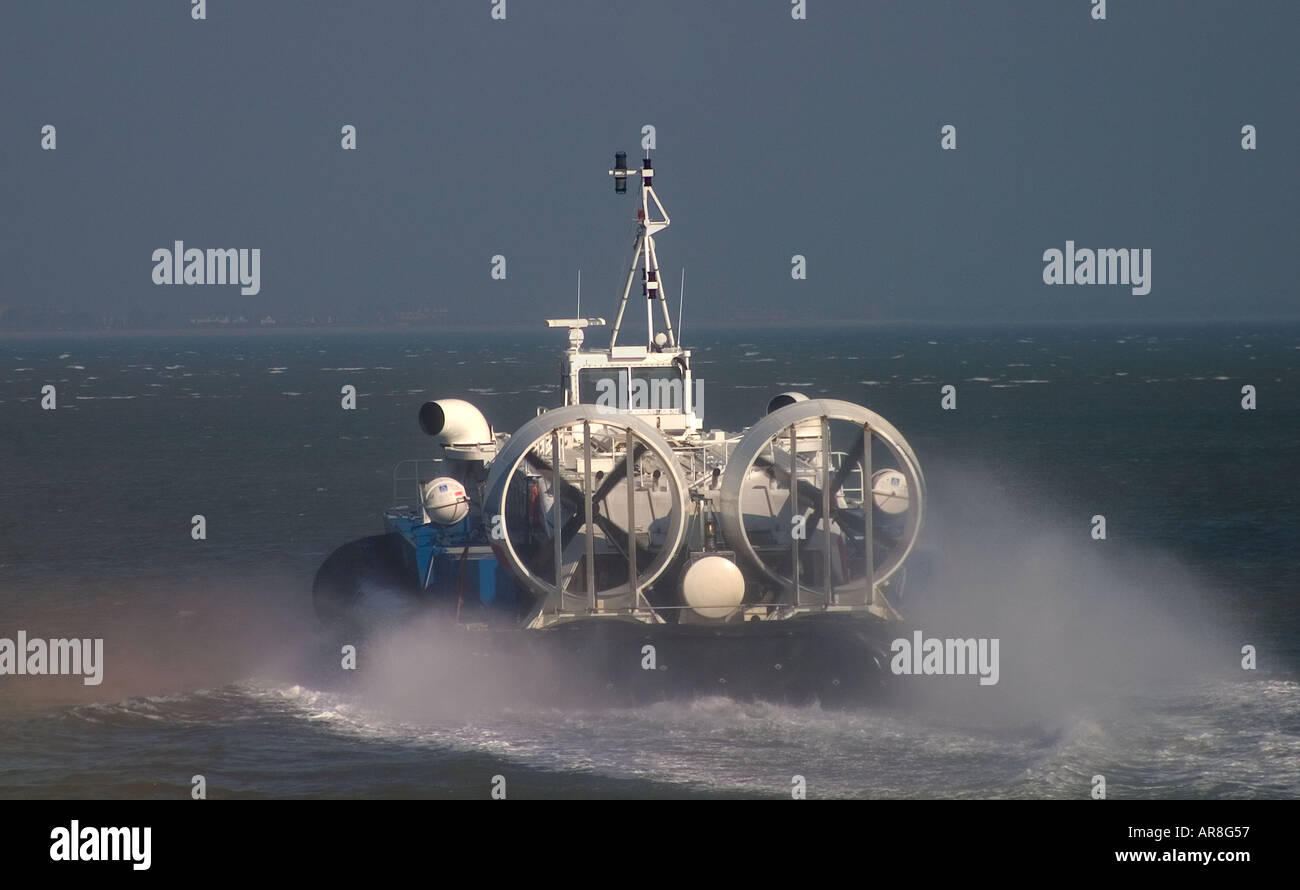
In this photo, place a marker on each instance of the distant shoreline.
(538, 328)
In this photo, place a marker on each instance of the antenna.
(620, 172)
(579, 312)
(681, 301)
(644, 257)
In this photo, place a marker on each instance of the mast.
(644, 256)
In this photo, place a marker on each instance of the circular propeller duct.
(588, 507)
(804, 496)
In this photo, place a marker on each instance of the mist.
(1083, 624)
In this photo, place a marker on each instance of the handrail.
(408, 474)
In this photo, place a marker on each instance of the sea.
(1163, 658)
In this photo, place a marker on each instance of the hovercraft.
(650, 558)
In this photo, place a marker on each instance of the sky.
(775, 136)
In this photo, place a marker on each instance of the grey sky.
(776, 137)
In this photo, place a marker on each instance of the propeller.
(837, 482)
(811, 493)
(571, 495)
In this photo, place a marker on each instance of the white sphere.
(889, 491)
(445, 501)
(714, 587)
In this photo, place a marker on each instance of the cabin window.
(657, 389)
(602, 386)
(639, 390)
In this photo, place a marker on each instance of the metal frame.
(786, 421)
(645, 256)
(553, 593)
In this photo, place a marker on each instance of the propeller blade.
(846, 466)
(810, 493)
(806, 489)
(617, 536)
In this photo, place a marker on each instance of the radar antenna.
(644, 256)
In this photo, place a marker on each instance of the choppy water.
(1119, 658)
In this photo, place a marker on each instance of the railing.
(774, 611)
(697, 462)
(407, 476)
